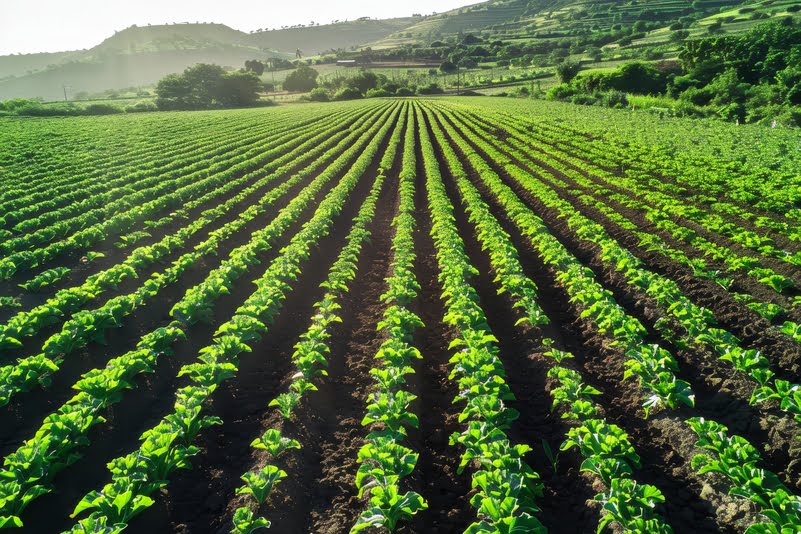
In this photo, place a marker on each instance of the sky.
(57, 25)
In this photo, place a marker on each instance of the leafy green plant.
(273, 442)
(260, 484)
(246, 522)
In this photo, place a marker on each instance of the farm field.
(435, 315)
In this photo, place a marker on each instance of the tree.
(255, 66)
(204, 80)
(679, 35)
(593, 52)
(238, 89)
(567, 70)
(448, 66)
(364, 81)
(173, 93)
(302, 79)
(207, 86)
(638, 77)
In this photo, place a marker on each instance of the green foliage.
(567, 70)
(447, 67)
(348, 93)
(318, 94)
(206, 86)
(301, 80)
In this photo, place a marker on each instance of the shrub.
(347, 93)
(101, 109)
(377, 93)
(560, 92)
(430, 89)
(318, 94)
(447, 66)
(582, 99)
(638, 77)
(567, 70)
(615, 99)
(301, 80)
(698, 97)
(141, 107)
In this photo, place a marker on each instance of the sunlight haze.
(50, 26)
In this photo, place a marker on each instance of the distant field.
(494, 311)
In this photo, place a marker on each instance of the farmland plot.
(420, 315)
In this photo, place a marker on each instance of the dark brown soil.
(566, 492)
(146, 405)
(319, 495)
(665, 465)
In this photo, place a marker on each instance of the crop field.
(442, 315)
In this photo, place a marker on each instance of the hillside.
(525, 20)
(23, 64)
(140, 56)
(136, 56)
(313, 40)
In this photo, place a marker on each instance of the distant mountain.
(133, 57)
(313, 40)
(140, 56)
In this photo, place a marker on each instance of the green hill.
(522, 20)
(313, 40)
(136, 56)
(23, 64)
(140, 56)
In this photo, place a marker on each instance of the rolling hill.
(140, 56)
(313, 40)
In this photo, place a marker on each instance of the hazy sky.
(56, 25)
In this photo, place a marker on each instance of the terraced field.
(423, 315)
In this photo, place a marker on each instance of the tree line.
(205, 86)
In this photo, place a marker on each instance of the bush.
(430, 89)
(682, 83)
(318, 94)
(615, 99)
(404, 91)
(567, 70)
(584, 100)
(363, 81)
(698, 97)
(37, 109)
(301, 80)
(683, 108)
(347, 93)
(447, 66)
(238, 89)
(101, 109)
(560, 92)
(638, 77)
(141, 107)
(378, 93)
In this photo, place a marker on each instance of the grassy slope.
(524, 20)
(317, 39)
(140, 56)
